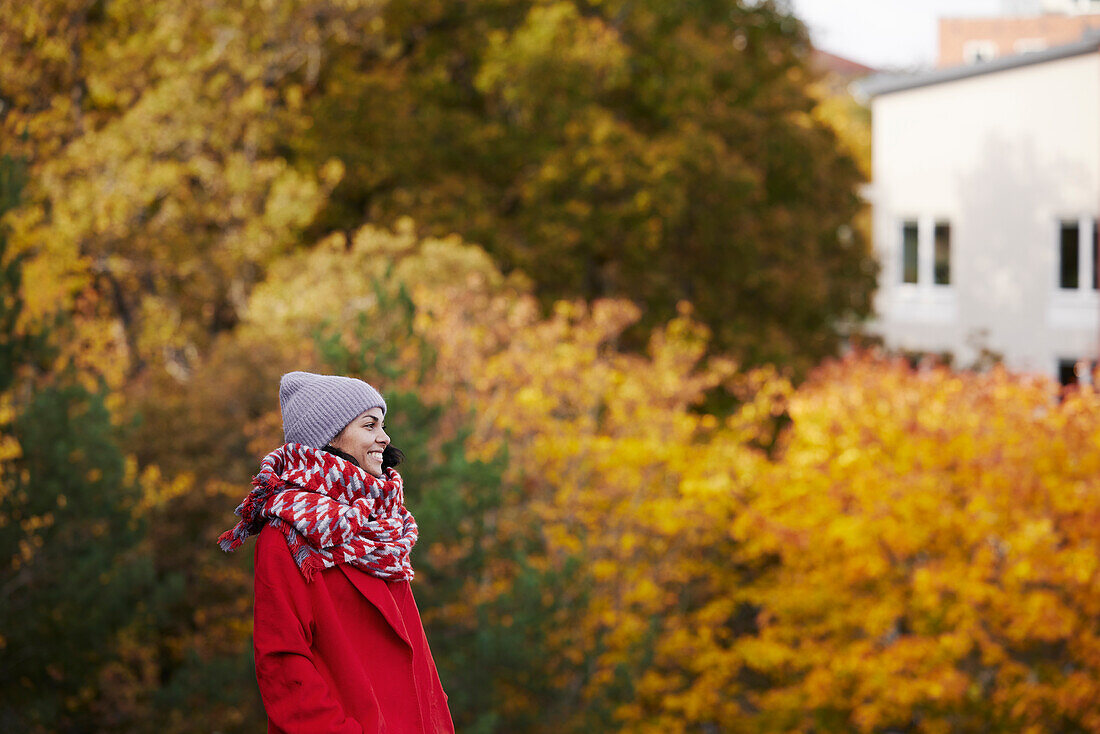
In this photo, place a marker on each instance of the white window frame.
(1074, 308)
(1029, 45)
(924, 302)
(926, 251)
(1085, 265)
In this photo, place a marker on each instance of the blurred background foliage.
(600, 256)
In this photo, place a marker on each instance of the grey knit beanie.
(317, 407)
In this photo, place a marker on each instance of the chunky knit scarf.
(331, 511)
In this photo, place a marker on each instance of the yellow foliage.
(937, 539)
(154, 183)
(920, 552)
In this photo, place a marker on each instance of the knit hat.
(317, 407)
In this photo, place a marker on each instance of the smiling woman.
(339, 643)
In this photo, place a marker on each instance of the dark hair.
(391, 455)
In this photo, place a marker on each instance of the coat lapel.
(376, 592)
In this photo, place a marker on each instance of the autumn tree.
(918, 552)
(539, 592)
(159, 190)
(207, 437)
(652, 150)
(73, 578)
(940, 529)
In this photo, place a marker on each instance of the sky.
(888, 33)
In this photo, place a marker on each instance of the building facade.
(985, 193)
(974, 40)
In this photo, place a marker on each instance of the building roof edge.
(881, 84)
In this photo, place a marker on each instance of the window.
(1069, 261)
(926, 255)
(1029, 45)
(941, 273)
(1078, 254)
(1076, 371)
(977, 51)
(1067, 372)
(1095, 252)
(909, 252)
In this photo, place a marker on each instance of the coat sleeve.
(295, 696)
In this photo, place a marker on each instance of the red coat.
(343, 653)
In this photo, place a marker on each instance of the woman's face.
(365, 438)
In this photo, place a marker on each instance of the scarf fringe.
(311, 565)
(264, 485)
(228, 541)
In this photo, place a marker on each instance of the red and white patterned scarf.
(331, 511)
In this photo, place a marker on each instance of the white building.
(1017, 7)
(1070, 6)
(985, 193)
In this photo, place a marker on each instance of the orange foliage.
(922, 553)
(937, 536)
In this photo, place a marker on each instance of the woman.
(339, 642)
